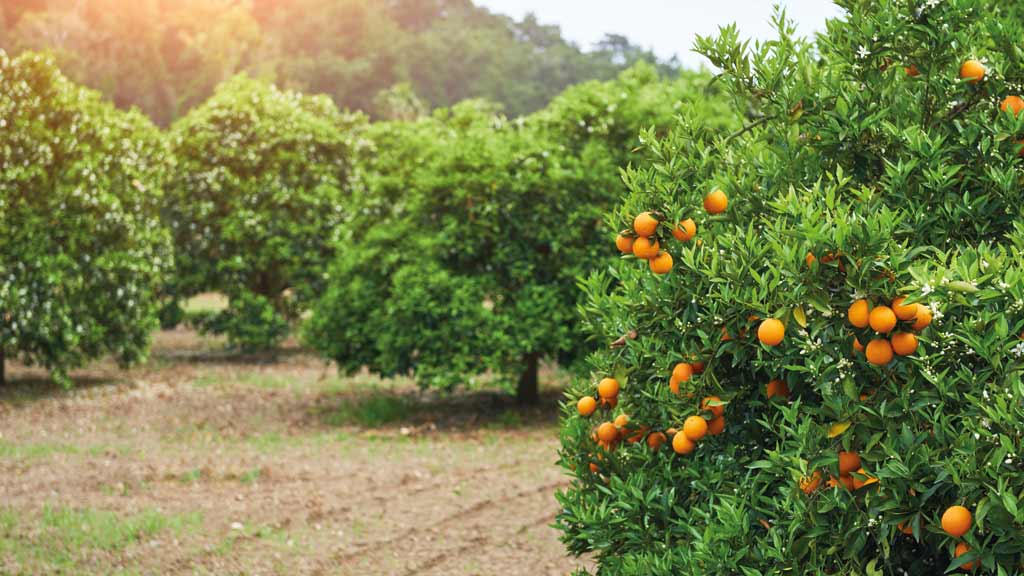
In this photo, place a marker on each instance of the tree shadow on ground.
(32, 384)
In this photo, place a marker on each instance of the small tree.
(257, 201)
(826, 378)
(472, 231)
(81, 245)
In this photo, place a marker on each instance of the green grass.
(371, 411)
(60, 539)
(32, 451)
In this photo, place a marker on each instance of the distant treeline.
(167, 56)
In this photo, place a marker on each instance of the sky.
(669, 27)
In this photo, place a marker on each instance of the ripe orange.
(903, 312)
(848, 462)
(882, 319)
(857, 346)
(655, 440)
(777, 388)
(922, 318)
(593, 467)
(1012, 103)
(859, 483)
(906, 528)
(912, 71)
(956, 521)
(716, 426)
(586, 406)
(725, 335)
(645, 224)
(961, 549)
(685, 230)
(609, 403)
(607, 433)
(608, 388)
(662, 263)
(695, 428)
(879, 352)
(904, 343)
(670, 432)
(621, 421)
(972, 71)
(716, 202)
(624, 243)
(645, 248)
(858, 313)
(845, 480)
(810, 259)
(698, 366)
(682, 372)
(811, 483)
(771, 331)
(715, 410)
(683, 445)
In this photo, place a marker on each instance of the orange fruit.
(811, 483)
(645, 248)
(903, 312)
(777, 388)
(670, 432)
(682, 372)
(593, 467)
(961, 549)
(698, 366)
(586, 406)
(695, 428)
(857, 346)
(879, 352)
(858, 483)
(972, 71)
(608, 388)
(810, 259)
(882, 319)
(922, 318)
(716, 426)
(645, 224)
(662, 263)
(857, 314)
(655, 440)
(683, 445)
(607, 433)
(1012, 103)
(624, 243)
(845, 480)
(906, 528)
(848, 462)
(716, 202)
(609, 403)
(715, 410)
(956, 521)
(621, 421)
(912, 71)
(771, 331)
(685, 230)
(903, 343)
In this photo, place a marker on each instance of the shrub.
(81, 246)
(256, 203)
(868, 170)
(473, 229)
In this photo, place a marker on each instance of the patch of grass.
(206, 302)
(32, 451)
(61, 538)
(250, 477)
(191, 477)
(371, 411)
(507, 419)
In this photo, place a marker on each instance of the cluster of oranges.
(642, 241)
(956, 521)
(884, 321)
(607, 391)
(973, 72)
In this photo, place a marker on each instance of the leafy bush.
(473, 229)
(256, 203)
(81, 245)
(869, 170)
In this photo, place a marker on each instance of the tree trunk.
(528, 391)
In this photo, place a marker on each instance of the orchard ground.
(202, 462)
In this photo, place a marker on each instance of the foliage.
(81, 245)
(868, 169)
(167, 57)
(257, 201)
(473, 228)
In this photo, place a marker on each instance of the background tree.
(473, 228)
(82, 249)
(256, 202)
(779, 407)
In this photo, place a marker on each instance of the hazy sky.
(667, 26)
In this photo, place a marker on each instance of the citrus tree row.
(850, 300)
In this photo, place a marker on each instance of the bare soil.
(278, 466)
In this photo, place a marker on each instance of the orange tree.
(464, 247)
(82, 250)
(256, 203)
(821, 373)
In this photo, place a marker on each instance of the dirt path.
(199, 463)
